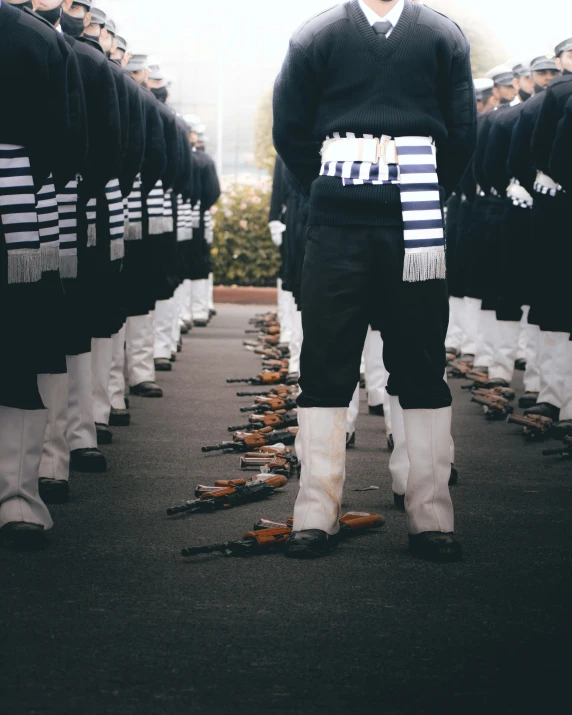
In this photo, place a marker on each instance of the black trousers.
(352, 278)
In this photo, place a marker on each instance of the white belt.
(546, 182)
(367, 150)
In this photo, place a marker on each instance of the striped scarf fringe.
(208, 223)
(18, 215)
(91, 215)
(416, 176)
(184, 230)
(67, 212)
(196, 215)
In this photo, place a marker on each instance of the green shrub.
(242, 251)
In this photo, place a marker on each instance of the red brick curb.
(245, 295)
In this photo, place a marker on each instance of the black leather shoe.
(436, 546)
(119, 418)
(376, 410)
(104, 434)
(528, 399)
(350, 439)
(212, 312)
(146, 389)
(545, 409)
(200, 323)
(163, 365)
(188, 324)
(23, 535)
(362, 381)
(399, 501)
(87, 460)
(126, 400)
(454, 478)
(53, 491)
(563, 429)
(184, 328)
(520, 364)
(180, 346)
(309, 544)
(173, 357)
(390, 443)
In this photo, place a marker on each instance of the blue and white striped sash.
(155, 201)
(135, 211)
(416, 176)
(48, 226)
(67, 212)
(184, 230)
(18, 215)
(196, 215)
(168, 212)
(116, 221)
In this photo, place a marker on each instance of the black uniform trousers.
(352, 278)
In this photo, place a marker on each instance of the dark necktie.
(381, 29)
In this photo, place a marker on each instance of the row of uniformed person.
(509, 230)
(105, 197)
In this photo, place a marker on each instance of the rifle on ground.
(273, 464)
(536, 427)
(507, 393)
(282, 391)
(495, 407)
(281, 418)
(247, 441)
(460, 369)
(263, 378)
(267, 539)
(271, 404)
(228, 497)
(564, 452)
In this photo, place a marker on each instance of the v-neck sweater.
(339, 77)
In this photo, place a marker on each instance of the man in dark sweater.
(381, 87)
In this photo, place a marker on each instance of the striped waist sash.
(135, 212)
(116, 221)
(167, 212)
(196, 215)
(519, 195)
(67, 213)
(18, 215)
(48, 226)
(184, 230)
(155, 201)
(414, 171)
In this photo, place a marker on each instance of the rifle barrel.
(211, 548)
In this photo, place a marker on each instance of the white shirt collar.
(393, 15)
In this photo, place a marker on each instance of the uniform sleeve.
(460, 115)
(560, 168)
(133, 157)
(296, 93)
(496, 156)
(155, 159)
(73, 150)
(545, 131)
(479, 160)
(519, 156)
(276, 200)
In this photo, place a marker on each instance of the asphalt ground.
(109, 619)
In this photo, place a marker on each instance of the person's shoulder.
(306, 33)
(439, 22)
(31, 24)
(561, 84)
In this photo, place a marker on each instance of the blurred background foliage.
(242, 251)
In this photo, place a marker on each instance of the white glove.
(277, 228)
